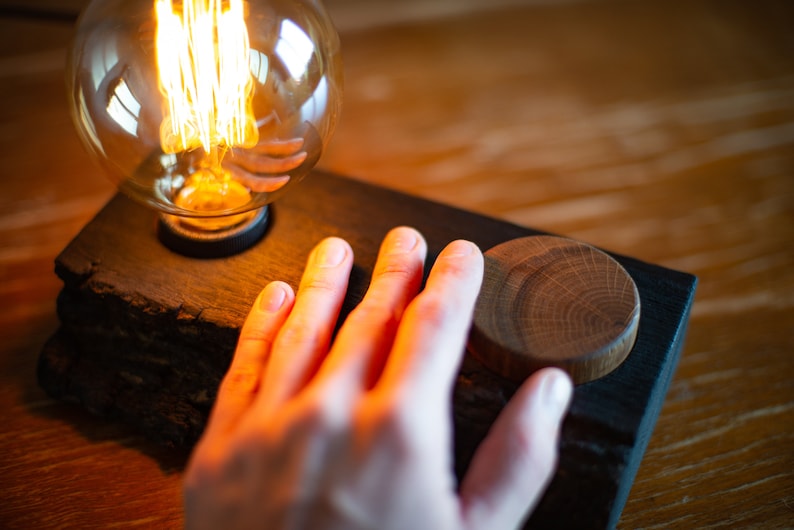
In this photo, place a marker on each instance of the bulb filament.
(203, 63)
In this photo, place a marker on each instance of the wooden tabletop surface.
(663, 130)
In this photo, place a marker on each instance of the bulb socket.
(207, 244)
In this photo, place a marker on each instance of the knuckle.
(255, 335)
(534, 451)
(319, 284)
(392, 425)
(297, 334)
(434, 309)
(241, 380)
(371, 313)
(317, 418)
(396, 268)
(451, 268)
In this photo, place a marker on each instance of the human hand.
(358, 434)
(265, 167)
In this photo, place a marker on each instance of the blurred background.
(663, 130)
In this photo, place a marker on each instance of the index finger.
(432, 334)
(303, 340)
(241, 383)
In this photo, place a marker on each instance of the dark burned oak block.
(147, 334)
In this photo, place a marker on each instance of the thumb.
(516, 461)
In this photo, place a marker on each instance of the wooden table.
(662, 130)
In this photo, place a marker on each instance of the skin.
(357, 433)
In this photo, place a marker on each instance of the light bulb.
(206, 110)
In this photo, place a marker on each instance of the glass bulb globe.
(206, 110)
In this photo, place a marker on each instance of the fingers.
(362, 345)
(432, 334)
(256, 182)
(241, 383)
(515, 462)
(419, 340)
(272, 157)
(265, 168)
(270, 165)
(279, 147)
(303, 341)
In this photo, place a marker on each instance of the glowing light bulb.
(207, 110)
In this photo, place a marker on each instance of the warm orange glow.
(203, 63)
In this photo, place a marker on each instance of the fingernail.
(272, 297)
(331, 253)
(402, 241)
(557, 391)
(459, 249)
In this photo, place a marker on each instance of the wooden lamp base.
(147, 334)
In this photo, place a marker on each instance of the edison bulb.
(206, 110)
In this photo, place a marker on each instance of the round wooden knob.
(550, 301)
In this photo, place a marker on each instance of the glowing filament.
(203, 62)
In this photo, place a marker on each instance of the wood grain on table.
(660, 130)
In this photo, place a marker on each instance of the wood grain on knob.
(550, 301)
